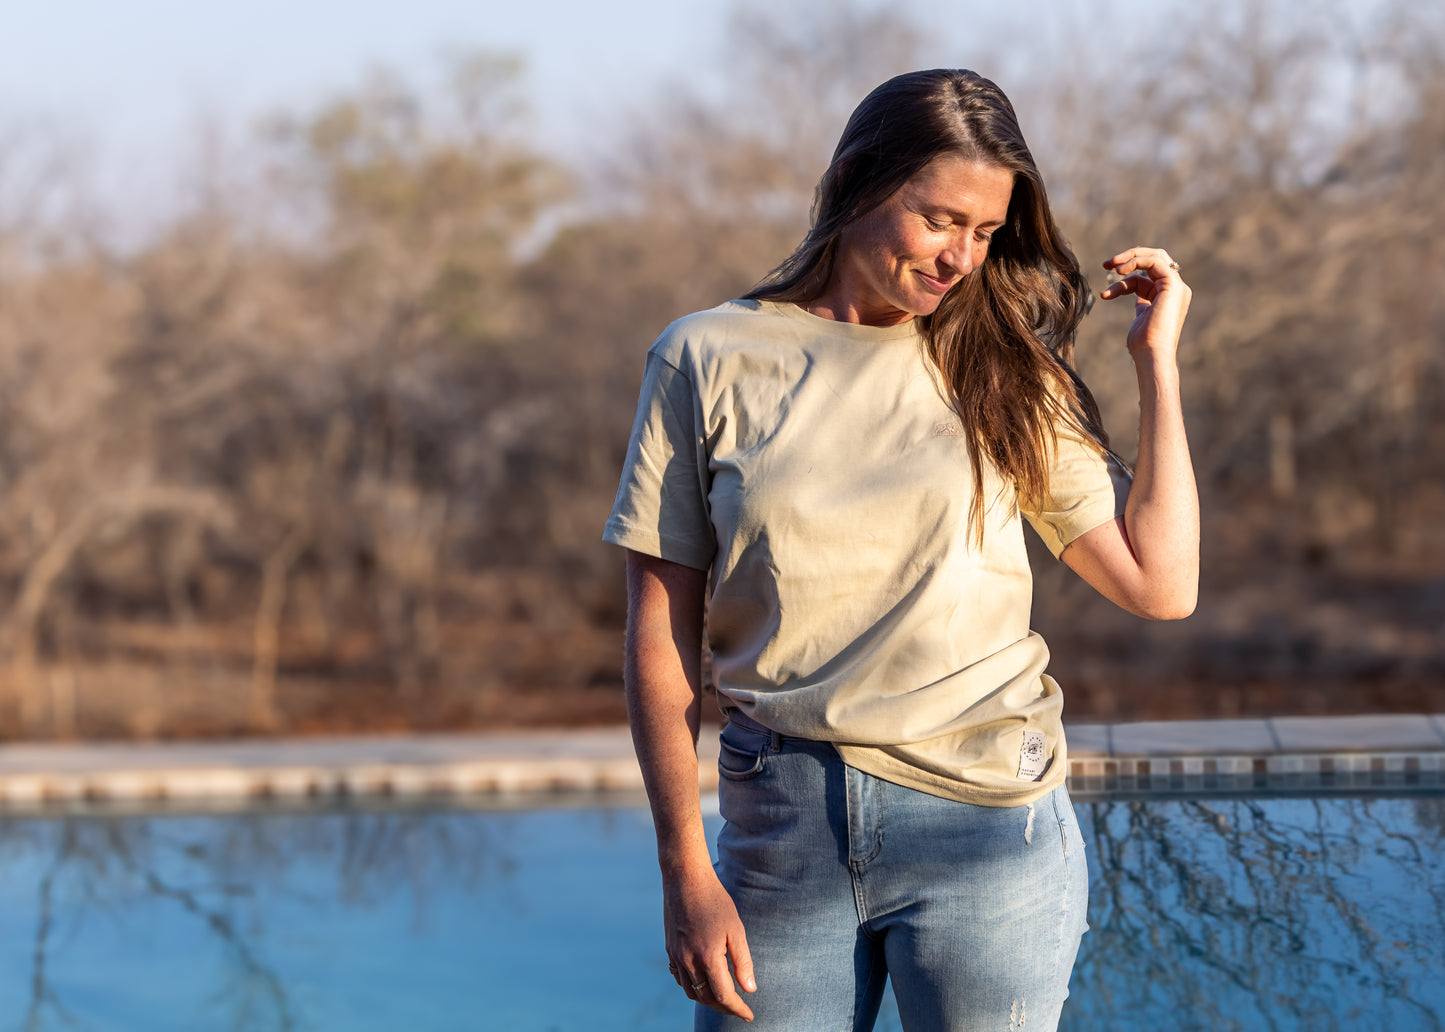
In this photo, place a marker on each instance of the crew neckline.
(836, 327)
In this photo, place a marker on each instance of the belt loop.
(775, 741)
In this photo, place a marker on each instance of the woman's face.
(902, 257)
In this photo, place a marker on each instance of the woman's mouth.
(934, 284)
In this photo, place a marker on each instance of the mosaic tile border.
(1306, 755)
(1286, 774)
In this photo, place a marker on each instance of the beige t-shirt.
(817, 469)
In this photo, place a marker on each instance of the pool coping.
(1377, 751)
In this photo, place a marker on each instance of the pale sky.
(142, 70)
(128, 81)
(142, 66)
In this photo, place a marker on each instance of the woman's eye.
(935, 224)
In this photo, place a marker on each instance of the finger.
(1126, 261)
(1138, 283)
(1154, 261)
(742, 961)
(720, 985)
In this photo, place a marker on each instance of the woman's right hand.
(703, 932)
(663, 679)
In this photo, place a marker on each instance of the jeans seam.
(1067, 899)
(877, 846)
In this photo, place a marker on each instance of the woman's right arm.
(663, 676)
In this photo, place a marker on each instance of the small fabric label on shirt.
(1033, 756)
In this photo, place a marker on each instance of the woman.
(848, 450)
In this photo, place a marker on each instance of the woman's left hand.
(1161, 299)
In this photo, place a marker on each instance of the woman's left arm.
(1147, 560)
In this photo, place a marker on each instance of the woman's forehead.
(963, 186)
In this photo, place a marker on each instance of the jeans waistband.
(737, 716)
(775, 739)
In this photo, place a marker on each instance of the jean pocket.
(743, 752)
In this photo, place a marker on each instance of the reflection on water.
(355, 921)
(1290, 914)
(1243, 914)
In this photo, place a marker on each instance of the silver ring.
(698, 986)
(1174, 266)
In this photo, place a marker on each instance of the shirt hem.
(1057, 542)
(870, 761)
(654, 544)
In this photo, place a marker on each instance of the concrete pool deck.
(1379, 752)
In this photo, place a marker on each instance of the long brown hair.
(1003, 337)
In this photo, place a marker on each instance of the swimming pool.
(1239, 913)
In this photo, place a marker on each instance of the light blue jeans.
(843, 880)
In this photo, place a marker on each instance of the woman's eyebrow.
(958, 215)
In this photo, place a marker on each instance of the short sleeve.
(661, 507)
(1087, 487)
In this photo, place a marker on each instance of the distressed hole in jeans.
(1016, 1017)
(1029, 828)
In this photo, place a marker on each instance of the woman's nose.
(961, 257)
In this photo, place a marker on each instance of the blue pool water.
(1243, 914)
